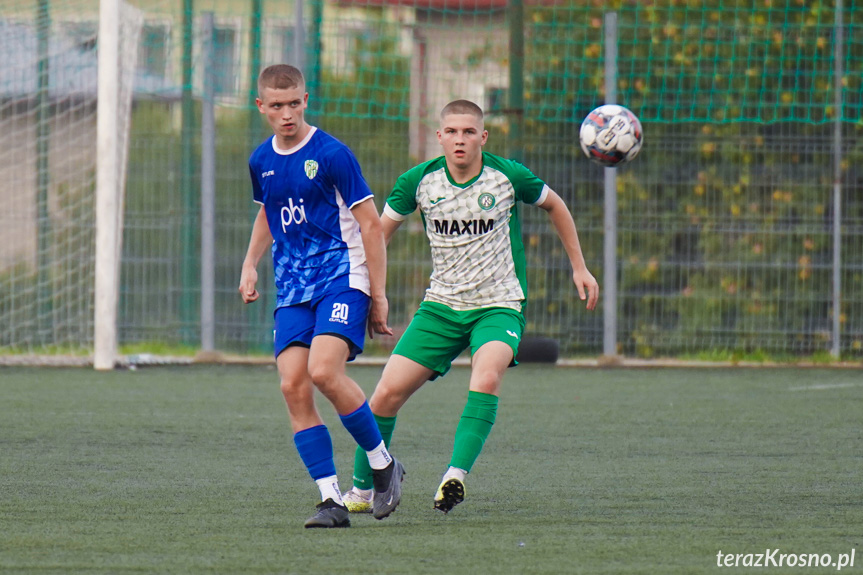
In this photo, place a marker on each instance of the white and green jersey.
(473, 229)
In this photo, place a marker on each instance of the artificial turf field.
(619, 471)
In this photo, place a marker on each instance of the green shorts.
(437, 334)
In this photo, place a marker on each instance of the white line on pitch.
(820, 386)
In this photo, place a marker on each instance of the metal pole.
(516, 79)
(255, 66)
(259, 314)
(299, 37)
(43, 177)
(609, 280)
(188, 192)
(313, 52)
(839, 50)
(208, 189)
(254, 71)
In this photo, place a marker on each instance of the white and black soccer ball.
(611, 135)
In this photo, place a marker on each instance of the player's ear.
(260, 105)
(484, 138)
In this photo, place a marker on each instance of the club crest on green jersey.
(486, 201)
(311, 169)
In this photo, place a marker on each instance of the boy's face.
(462, 137)
(285, 112)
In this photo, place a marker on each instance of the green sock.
(362, 469)
(473, 428)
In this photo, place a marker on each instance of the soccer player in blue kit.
(318, 217)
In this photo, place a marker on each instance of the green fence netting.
(725, 219)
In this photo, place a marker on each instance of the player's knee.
(378, 403)
(324, 376)
(294, 388)
(386, 402)
(485, 382)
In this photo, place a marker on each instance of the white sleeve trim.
(392, 214)
(543, 195)
(356, 203)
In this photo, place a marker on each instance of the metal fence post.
(609, 280)
(836, 348)
(208, 188)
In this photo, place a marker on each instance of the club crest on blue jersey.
(311, 169)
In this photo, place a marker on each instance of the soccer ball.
(610, 135)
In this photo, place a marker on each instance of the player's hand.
(248, 280)
(378, 314)
(587, 286)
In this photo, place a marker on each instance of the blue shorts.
(342, 314)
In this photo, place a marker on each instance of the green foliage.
(725, 218)
(734, 248)
(724, 223)
(368, 109)
(716, 61)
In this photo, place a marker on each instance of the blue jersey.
(307, 193)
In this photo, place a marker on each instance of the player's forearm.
(372, 234)
(260, 240)
(564, 225)
(376, 258)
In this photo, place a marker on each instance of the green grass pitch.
(618, 471)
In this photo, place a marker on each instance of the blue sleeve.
(257, 192)
(347, 177)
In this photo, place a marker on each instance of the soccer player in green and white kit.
(477, 292)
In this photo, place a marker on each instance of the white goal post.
(119, 32)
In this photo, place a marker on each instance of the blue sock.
(362, 426)
(316, 450)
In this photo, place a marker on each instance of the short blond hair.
(461, 107)
(280, 77)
